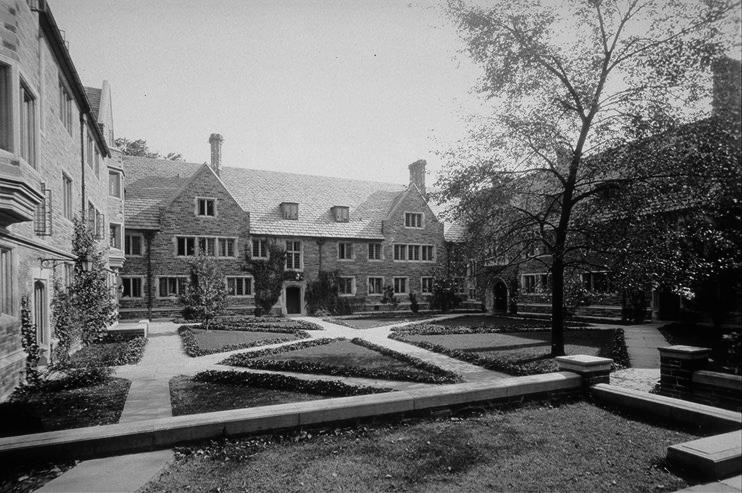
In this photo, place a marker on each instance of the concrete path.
(642, 342)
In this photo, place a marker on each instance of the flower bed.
(342, 358)
(515, 358)
(217, 390)
(200, 342)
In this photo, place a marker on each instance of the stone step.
(715, 457)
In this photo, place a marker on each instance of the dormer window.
(205, 207)
(290, 210)
(413, 219)
(341, 213)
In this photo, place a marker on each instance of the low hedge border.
(283, 382)
(617, 352)
(434, 329)
(248, 360)
(190, 344)
(253, 325)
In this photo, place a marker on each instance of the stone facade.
(46, 175)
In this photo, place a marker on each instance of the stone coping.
(677, 410)
(714, 457)
(684, 352)
(122, 438)
(717, 379)
(582, 363)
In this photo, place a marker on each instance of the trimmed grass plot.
(372, 322)
(42, 410)
(341, 357)
(523, 352)
(571, 447)
(199, 342)
(221, 390)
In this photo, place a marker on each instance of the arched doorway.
(293, 300)
(500, 304)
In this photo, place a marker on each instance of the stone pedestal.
(677, 365)
(592, 369)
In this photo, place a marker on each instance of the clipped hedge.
(190, 343)
(507, 327)
(263, 324)
(616, 351)
(113, 350)
(282, 382)
(248, 360)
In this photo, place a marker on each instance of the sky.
(356, 89)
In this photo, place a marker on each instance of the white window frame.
(410, 224)
(8, 75)
(179, 280)
(223, 240)
(243, 280)
(294, 252)
(406, 284)
(381, 286)
(33, 127)
(380, 251)
(352, 286)
(206, 242)
(401, 247)
(185, 245)
(141, 287)
(346, 247)
(406, 248)
(197, 210)
(127, 246)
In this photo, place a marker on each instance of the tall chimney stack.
(216, 152)
(417, 175)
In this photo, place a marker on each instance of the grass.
(34, 412)
(192, 397)
(570, 447)
(343, 358)
(501, 344)
(199, 341)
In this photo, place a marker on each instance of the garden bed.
(114, 350)
(341, 357)
(44, 409)
(222, 390)
(524, 352)
(198, 341)
(538, 447)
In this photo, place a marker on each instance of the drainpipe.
(148, 239)
(82, 162)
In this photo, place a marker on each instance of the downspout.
(148, 239)
(82, 163)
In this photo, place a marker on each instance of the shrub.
(206, 295)
(444, 294)
(28, 340)
(388, 296)
(322, 294)
(268, 278)
(413, 303)
(114, 350)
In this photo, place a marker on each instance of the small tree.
(322, 293)
(206, 295)
(28, 341)
(94, 309)
(444, 294)
(63, 321)
(268, 278)
(414, 306)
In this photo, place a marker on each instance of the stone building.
(373, 234)
(55, 164)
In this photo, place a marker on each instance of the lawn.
(198, 341)
(221, 390)
(45, 410)
(499, 344)
(344, 358)
(570, 447)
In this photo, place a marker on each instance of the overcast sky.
(343, 88)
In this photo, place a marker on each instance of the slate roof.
(150, 183)
(93, 95)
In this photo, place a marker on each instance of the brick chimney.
(216, 152)
(727, 88)
(417, 175)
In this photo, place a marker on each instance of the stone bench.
(715, 457)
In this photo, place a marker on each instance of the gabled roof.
(151, 183)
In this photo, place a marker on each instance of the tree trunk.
(557, 307)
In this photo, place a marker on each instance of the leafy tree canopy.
(139, 148)
(583, 79)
